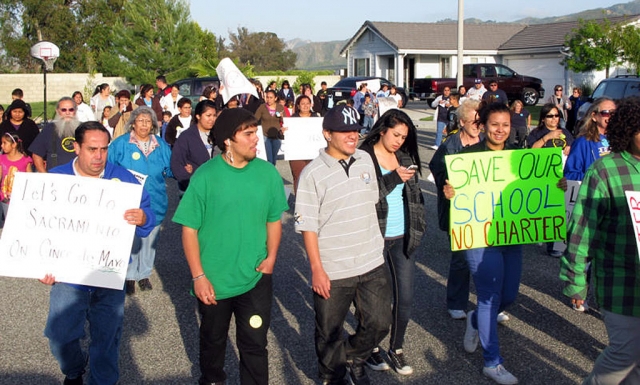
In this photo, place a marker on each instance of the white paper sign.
(72, 227)
(303, 138)
(633, 201)
(570, 197)
(372, 84)
(234, 81)
(386, 104)
(262, 151)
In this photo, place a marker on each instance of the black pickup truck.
(525, 88)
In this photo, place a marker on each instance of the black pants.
(252, 311)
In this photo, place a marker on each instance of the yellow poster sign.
(506, 198)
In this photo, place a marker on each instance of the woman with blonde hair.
(520, 123)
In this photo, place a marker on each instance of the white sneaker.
(434, 147)
(502, 317)
(470, 335)
(500, 375)
(582, 308)
(457, 314)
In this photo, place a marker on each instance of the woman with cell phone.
(393, 146)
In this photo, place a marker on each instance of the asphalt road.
(545, 342)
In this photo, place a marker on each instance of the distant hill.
(326, 55)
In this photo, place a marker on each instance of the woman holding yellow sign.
(496, 270)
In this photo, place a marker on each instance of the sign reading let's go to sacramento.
(506, 198)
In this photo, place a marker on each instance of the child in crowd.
(106, 112)
(12, 160)
(452, 116)
(166, 117)
(283, 102)
(370, 112)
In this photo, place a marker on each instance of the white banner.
(570, 197)
(386, 104)
(372, 84)
(233, 81)
(633, 201)
(72, 227)
(262, 151)
(303, 138)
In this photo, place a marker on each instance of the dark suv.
(192, 87)
(346, 88)
(621, 86)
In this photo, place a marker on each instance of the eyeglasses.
(67, 109)
(145, 122)
(493, 85)
(552, 116)
(558, 89)
(606, 113)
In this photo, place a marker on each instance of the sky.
(324, 20)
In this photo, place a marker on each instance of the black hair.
(78, 93)
(623, 124)
(17, 92)
(167, 113)
(144, 89)
(203, 106)
(184, 101)
(16, 139)
(275, 94)
(389, 120)
(487, 109)
(285, 82)
(100, 88)
(90, 126)
(543, 113)
(161, 78)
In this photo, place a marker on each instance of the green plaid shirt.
(601, 231)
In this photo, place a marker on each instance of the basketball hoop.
(47, 52)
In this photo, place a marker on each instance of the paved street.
(545, 342)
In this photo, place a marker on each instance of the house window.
(361, 67)
(391, 64)
(370, 36)
(445, 67)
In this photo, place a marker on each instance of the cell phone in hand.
(412, 167)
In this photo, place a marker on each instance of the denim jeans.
(272, 146)
(368, 123)
(371, 295)
(496, 273)
(402, 268)
(458, 282)
(619, 363)
(251, 335)
(439, 132)
(69, 309)
(143, 254)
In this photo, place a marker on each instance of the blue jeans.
(368, 123)
(371, 295)
(402, 268)
(458, 282)
(272, 146)
(251, 337)
(69, 309)
(143, 254)
(496, 272)
(439, 132)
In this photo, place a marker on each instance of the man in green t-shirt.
(231, 217)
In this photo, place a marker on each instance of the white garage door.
(549, 70)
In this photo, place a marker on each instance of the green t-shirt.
(230, 208)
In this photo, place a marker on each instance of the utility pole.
(460, 40)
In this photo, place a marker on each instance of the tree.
(594, 45)
(264, 50)
(631, 46)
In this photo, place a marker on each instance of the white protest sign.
(386, 104)
(234, 81)
(633, 201)
(303, 138)
(372, 84)
(72, 227)
(261, 150)
(570, 197)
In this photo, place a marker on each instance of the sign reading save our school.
(506, 198)
(71, 227)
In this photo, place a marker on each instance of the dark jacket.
(27, 132)
(414, 214)
(188, 149)
(155, 106)
(252, 104)
(172, 129)
(291, 97)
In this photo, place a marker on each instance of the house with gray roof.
(402, 52)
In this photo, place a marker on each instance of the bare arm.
(320, 281)
(38, 162)
(274, 235)
(202, 287)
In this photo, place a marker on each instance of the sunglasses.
(552, 116)
(67, 109)
(558, 89)
(606, 113)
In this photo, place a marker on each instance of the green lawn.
(37, 110)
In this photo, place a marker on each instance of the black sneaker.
(130, 286)
(74, 381)
(145, 284)
(398, 362)
(357, 373)
(376, 361)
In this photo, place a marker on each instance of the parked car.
(346, 88)
(619, 87)
(192, 87)
(517, 87)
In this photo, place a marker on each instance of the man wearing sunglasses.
(54, 145)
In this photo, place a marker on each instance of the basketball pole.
(44, 67)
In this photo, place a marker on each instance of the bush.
(306, 77)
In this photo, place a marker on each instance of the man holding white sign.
(70, 305)
(601, 230)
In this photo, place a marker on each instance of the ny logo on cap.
(350, 116)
